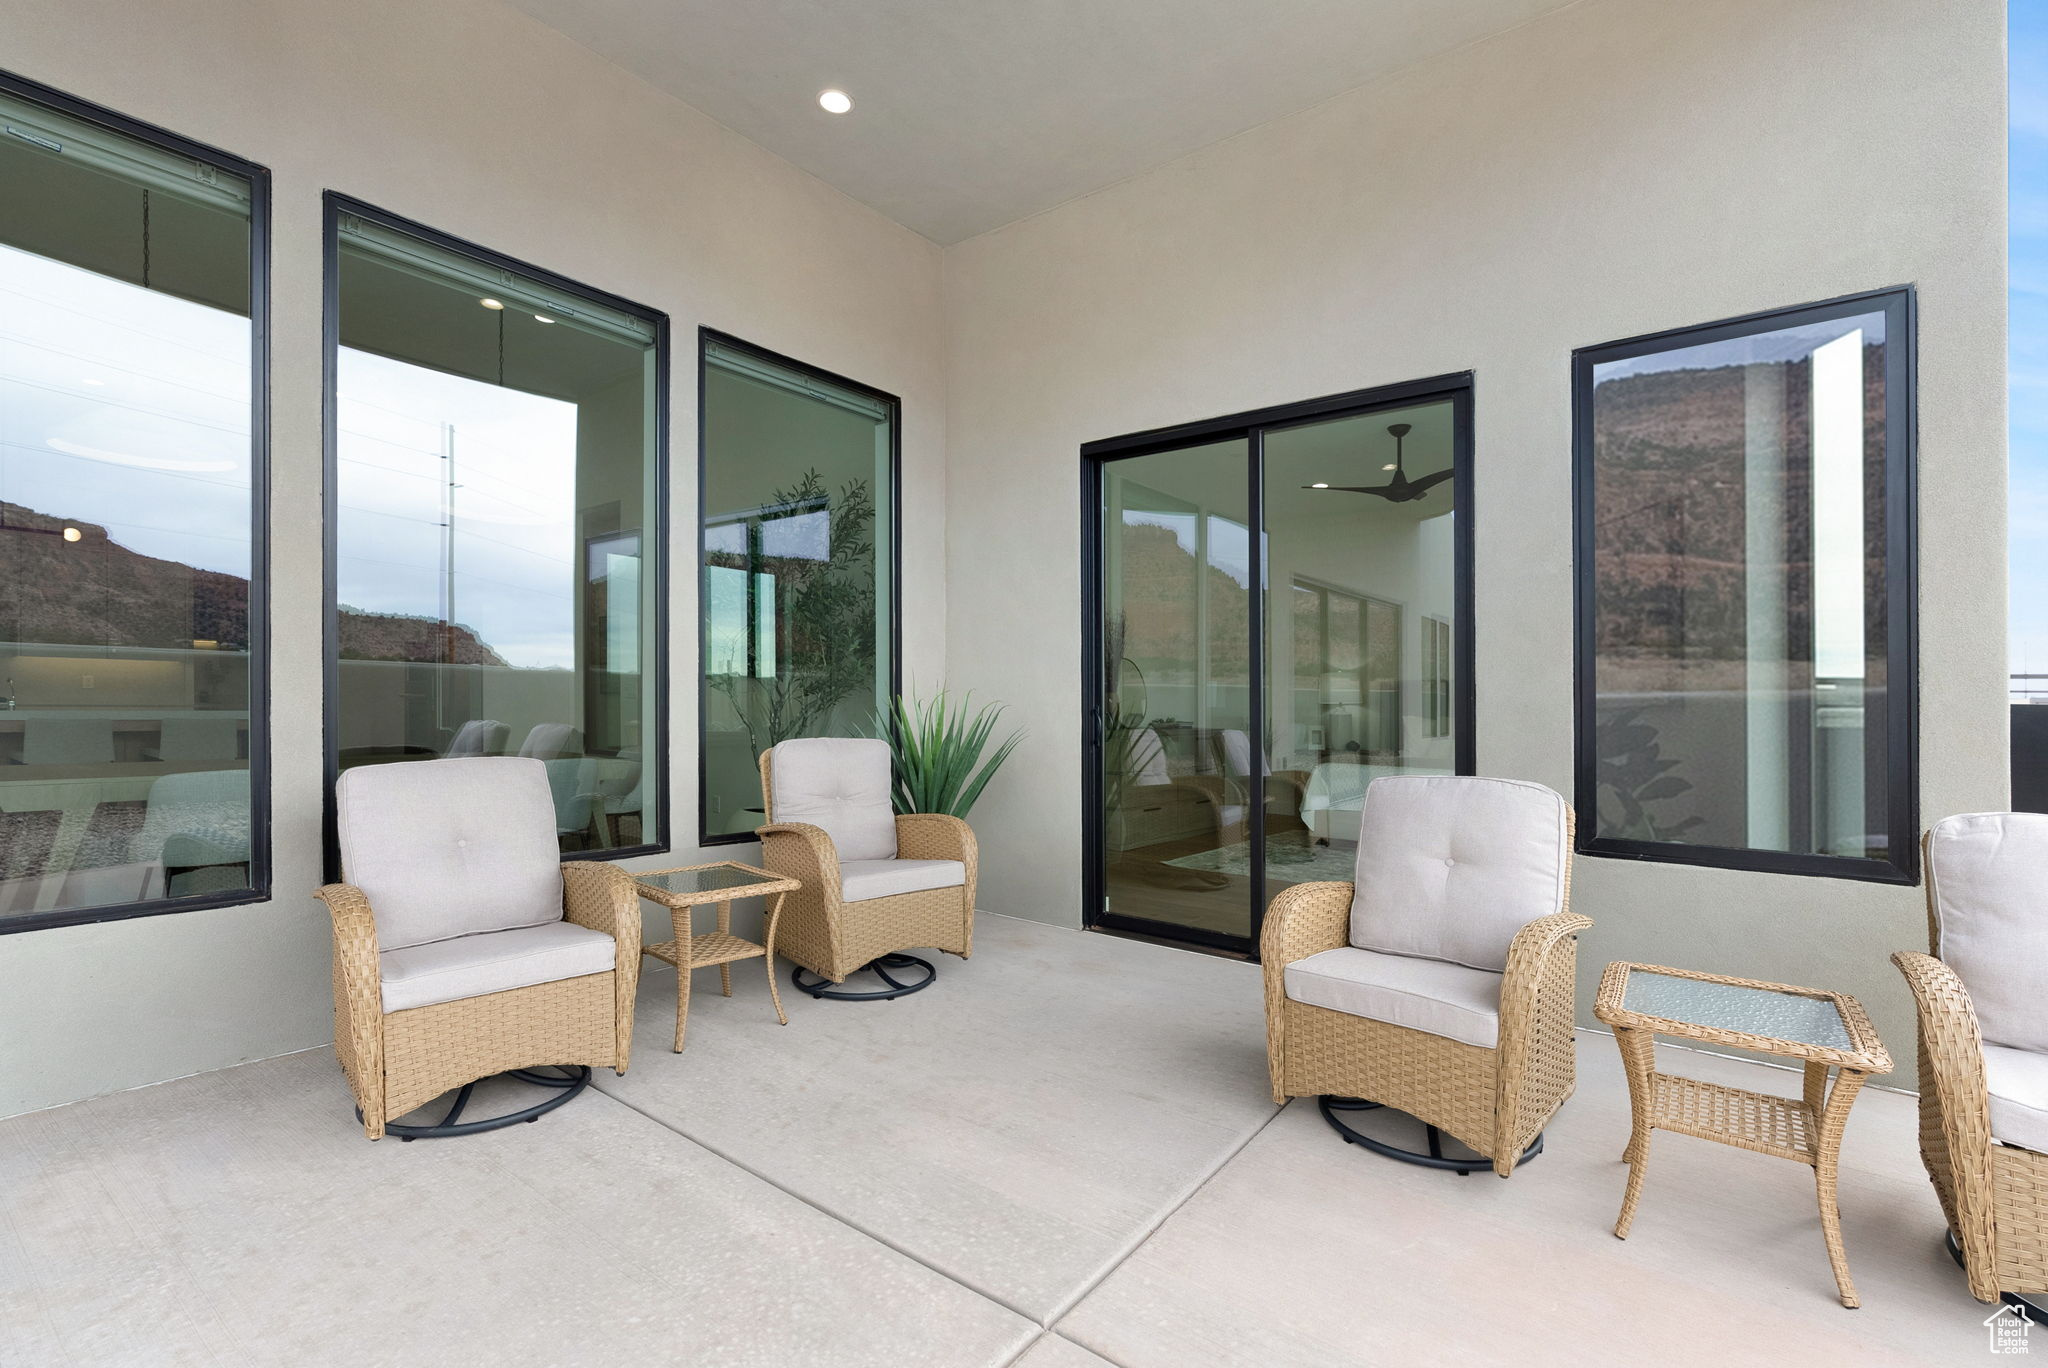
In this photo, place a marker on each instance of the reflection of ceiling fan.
(1400, 489)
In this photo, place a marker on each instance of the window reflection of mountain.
(96, 592)
(1670, 532)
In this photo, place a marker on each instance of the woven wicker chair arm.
(1305, 920)
(1531, 945)
(1955, 1130)
(934, 836)
(359, 996)
(355, 935)
(602, 897)
(801, 851)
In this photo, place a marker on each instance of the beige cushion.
(446, 848)
(2018, 1083)
(1451, 867)
(860, 880)
(1447, 1000)
(470, 966)
(1989, 873)
(841, 785)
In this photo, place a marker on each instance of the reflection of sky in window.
(125, 408)
(803, 536)
(2027, 337)
(1783, 344)
(514, 498)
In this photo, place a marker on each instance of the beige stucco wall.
(1619, 167)
(480, 122)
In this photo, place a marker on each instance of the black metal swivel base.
(1436, 1158)
(819, 987)
(2035, 1310)
(573, 1079)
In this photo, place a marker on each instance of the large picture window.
(799, 590)
(495, 456)
(131, 453)
(1745, 593)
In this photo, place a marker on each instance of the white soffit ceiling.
(969, 114)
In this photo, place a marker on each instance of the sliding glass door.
(1278, 614)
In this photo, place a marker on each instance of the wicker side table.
(680, 890)
(1824, 1031)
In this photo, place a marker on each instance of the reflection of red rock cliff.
(1159, 605)
(1671, 535)
(394, 636)
(96, 592)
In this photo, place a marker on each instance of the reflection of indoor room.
(1357, 598)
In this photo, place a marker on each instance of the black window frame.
(706, 336)
(259, 887)
(1457, 389)
(1901, 864)
(335, 205)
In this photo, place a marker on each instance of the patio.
(963, 1177)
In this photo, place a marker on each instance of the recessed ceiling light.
(492, 303)
(542, 318)
(1386, 467)
(72, 534)
(1319, 485)
(834, 101)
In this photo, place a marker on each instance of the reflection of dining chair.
(572, 782)
(200, 739)
(195, 820)
(551, 741)
(68, 741)
(476, 737)
(619, 790)
(1224, 784)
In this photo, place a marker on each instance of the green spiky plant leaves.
(941, 751)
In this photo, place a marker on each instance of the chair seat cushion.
(471, 966)
(1433, 996)
(2018, 1083)
(860, 880)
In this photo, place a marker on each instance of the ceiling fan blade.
(1385, 491)
(1430, 481)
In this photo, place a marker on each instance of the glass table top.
(1733, 1007)
(709, 879)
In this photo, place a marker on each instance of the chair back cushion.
(446, 848)
(1451, 867)
(1987, 873)
(840, 784)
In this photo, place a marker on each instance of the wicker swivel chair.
(463, 947)
(875, 883)
(1983, 1001)
(1440, 981)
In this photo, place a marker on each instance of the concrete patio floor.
(1062, 1155)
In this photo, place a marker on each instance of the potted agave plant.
(941, 751)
